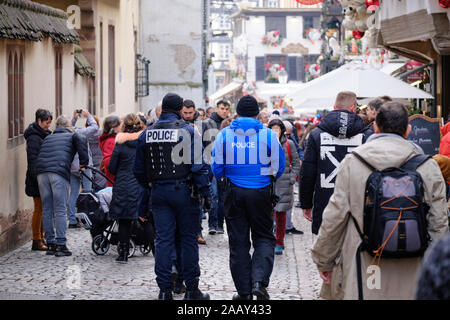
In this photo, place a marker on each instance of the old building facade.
(46, 62)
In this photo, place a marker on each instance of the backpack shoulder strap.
(415, 162)
(368, 165)
(288, 147)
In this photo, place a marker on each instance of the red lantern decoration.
(309, 2)
(358, 34)
(444, 3)
(369, 3)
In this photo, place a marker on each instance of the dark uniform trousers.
(176, 220)
(249, 210)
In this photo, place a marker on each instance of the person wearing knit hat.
(287, 125)
(259, 160)
(172, 103)
(247, 107)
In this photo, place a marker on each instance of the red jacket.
(107, 143)
(444, 147)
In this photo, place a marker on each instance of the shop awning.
(229, 88)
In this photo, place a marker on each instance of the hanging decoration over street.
(444, 3)
(309, 2)
(272, 38)
(360, 16)
(358, 34)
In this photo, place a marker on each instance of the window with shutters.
(272, 66)
(58, 81)
(276, 23)
(111, 68)
(308, 22)
(15, 60)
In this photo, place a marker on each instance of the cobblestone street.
(34, 276)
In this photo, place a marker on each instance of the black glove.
(208, 204)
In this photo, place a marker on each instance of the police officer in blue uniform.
(249, 156)
(169, 158)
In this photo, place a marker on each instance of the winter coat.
(434, 278)
(106, 144)
(336, 246)
(58, 151)
(337, 134)
(249, 168)
(284, 187)
(34, 136)
(126, 189)
(444, 146)
(89, 132)
(210, 129)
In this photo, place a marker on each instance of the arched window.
(16, 112)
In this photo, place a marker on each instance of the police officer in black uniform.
(169, 158)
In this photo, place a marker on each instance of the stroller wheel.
(100, 245)
(145, 249)
(131, 250)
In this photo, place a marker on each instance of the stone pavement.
(27, 275)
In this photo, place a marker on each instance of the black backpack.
(395, 223)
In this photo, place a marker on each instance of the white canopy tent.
(229, 88)
(359, 78)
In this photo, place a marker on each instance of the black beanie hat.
(247, 107)
(172, 102)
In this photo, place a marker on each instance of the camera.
(79, 111)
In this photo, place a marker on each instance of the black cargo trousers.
(249, 211)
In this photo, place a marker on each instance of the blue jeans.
(212, 216)
(75, 192)
(54, 191)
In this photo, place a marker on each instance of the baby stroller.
(93, 215)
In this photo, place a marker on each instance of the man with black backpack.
(388, 204)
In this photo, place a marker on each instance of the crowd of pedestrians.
(245, 178)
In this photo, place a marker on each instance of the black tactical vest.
(161, 138)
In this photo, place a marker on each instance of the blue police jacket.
(248, 154)
(199, 168)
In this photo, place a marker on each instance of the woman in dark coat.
(126, 189)
(35, 135)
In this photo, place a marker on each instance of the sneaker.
(62, 251)
(293, 231)
(201, 240)
(212, 230)
(51, 249)
(278, 250)
(220, 230)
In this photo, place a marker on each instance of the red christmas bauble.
(444, 3)
(369, 3)
(358, 34)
